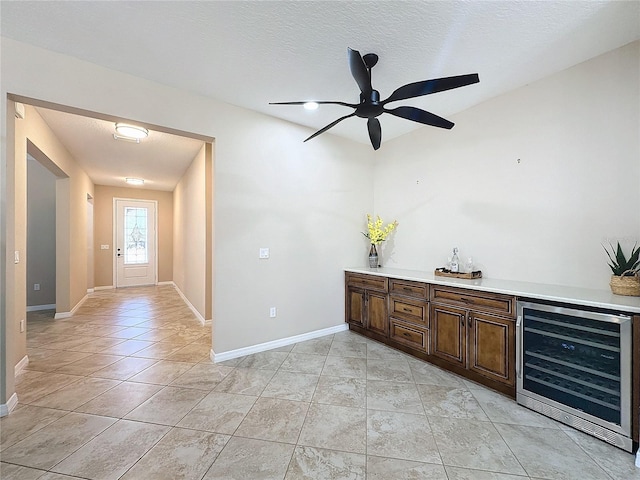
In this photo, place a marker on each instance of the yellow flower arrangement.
(377, 233)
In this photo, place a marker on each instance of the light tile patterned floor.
(125, 389)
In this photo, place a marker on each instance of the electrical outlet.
(36, 286)
(264, 253)
(272, 312)
(104, 247)
(22, 325)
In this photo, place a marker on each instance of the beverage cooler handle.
(519, 353)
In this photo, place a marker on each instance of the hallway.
(125, 389)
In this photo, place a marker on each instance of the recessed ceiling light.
(135, 181)
(310, 106)
(131, 131)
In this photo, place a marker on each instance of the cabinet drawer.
(409, 335)
(483, 301)
(410, 289)
(372, 282)
(409, 309)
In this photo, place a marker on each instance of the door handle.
(470, 320)
(519, 353)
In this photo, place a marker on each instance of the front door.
(135, 242)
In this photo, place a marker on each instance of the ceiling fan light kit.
(371, 107)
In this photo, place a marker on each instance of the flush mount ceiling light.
(311, 106)
(135, 181)
(131, 131)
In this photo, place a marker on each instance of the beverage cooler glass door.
(579, 364)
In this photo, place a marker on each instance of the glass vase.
(373, 257)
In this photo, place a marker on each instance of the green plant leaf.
(609, 255)
(620, 258)
(635, 255)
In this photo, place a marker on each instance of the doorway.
(135, 242)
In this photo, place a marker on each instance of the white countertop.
(556, 293)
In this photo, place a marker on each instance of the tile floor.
(125, 390)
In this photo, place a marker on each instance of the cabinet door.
(377, 318)
(491, 347)
(448, 333)
(356, 306)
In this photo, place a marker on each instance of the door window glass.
(135, 235)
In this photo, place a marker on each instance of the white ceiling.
(250, 53)
(160, 159)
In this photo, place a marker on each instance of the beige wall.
(306, 201)
(103, 230)
(189, 233)
(33, 136)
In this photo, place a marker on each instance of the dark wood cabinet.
(469, 332)
(376, 313)
(356, 306)
(475, 338)
(492, 347)
(409, 315)
(449, 333)
(366, 304)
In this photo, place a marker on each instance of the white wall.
(304, 201)
(577, 135)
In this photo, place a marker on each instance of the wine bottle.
(455, 262)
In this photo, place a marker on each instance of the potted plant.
(377, 233)
(626, 272)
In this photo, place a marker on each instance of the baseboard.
(36, 308)
(21, 365)
(104, 287)
(261, 347)
(195, 311)
(166, 283)
(90, 290)
(60, 315)
(7, 408)
(638, 458)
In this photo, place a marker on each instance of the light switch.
(264, 253)
(16, 257)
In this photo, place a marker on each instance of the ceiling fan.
(371, 106)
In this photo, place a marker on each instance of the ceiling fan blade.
(332, 124)
(359, 71)
(421, 116)
(319, 102)
(375, 132)
(435, 85)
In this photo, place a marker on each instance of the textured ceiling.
(251, 53)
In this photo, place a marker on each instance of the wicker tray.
(443, 272)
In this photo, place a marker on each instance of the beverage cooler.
(575, 366)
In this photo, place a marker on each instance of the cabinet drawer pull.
(405, 309)
(408, 289)
(406, 334)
